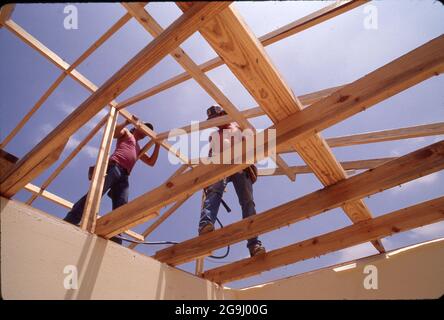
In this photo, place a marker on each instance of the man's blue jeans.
(116, 181)
(244, 190)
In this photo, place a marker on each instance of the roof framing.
(28, 167)
(297, 121)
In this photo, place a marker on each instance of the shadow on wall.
(88, 265)
(178, 285)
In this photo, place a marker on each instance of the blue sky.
(330, 54)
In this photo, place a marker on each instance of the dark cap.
(215, 111)
(149, 125)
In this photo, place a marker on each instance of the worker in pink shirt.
(119, 168)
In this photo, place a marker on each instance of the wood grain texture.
(94, 196)
(402, 73)
(392, 223)
(87, 84)
(306, 99)
(236, 44)
(25, 170)
(7, 160)
(5, 13)
(137, 10)
(68, 159)
(347, 165)
(409, 167)
(290, 29)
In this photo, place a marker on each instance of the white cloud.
(45, 129)
(89, 151)
(420, 182)
(356, 252)
(66, 108)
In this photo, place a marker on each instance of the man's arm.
(120, 130)
(151, 161)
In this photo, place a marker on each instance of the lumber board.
(283, 32)
(160, 220)
(418, 65)
(383, 226)
(5, 13)
(25, 170)
(414, 165)
(68, 159)
(7, 160)
(87, 84)
(347, 165)
(94, 196)
(67, 204)
(249, 62)
(138, 11)
(306, 99)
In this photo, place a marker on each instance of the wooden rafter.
(138, 11)
(67, 204)
(28, 167)
(249, 62)
(28, 38)
(48, 196)
(169, 212)
(416, 66)
(406, 168)
(56, 60)
(94, 196)
(68, 159)
(425, 130)
(5, 13)
(290, 29)
(7, 160)
(306, 99)
(347, 165)
(159, 221)
(392, 223)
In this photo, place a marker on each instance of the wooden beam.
(388, 135)
(68, 159)
(432, 129)
(26, 169)
(62, 76)
(153, 135)
(137, 10)
(306, 99)
(7, 160)
(51, 56)
(67, 204)
(159, 221)
(5, 13)
(92, 203)
(383, 226)
(406, 168)
(402, 73)
(249, 62)
(33, 110)
(170, 211)
(290, 29)
(48, 196)
(347, 165)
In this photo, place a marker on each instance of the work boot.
(256, 249)
(206, 228)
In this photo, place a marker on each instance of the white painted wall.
(415, 272)
(36, 247)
